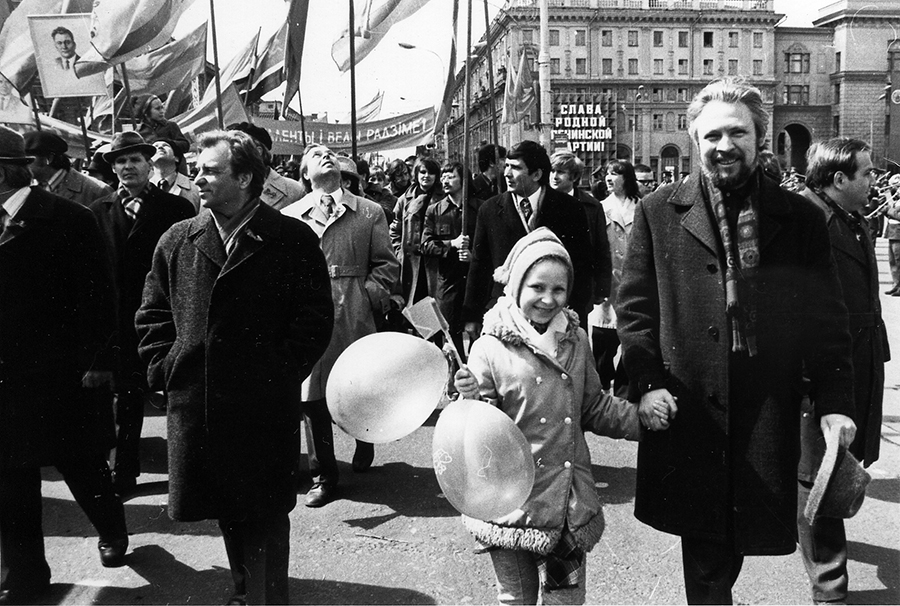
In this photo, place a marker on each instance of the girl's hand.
(657, 408)
(466, 384)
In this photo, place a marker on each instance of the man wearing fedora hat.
(838, 179)
(53, 169)
(55, 324)
(166, 176)
(278, 191)
(132, 219)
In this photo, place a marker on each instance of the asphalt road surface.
(391, 537)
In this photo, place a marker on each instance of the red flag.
(376, 18)
(450, 86)
(520, 95)
(269, 71)
(293, 47)
(169, 67)
(237, 70)
(203, 118)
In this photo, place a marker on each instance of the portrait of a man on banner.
(58, 43)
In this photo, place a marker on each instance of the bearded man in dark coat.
(729, 292)
(838, 179)
(237, 309)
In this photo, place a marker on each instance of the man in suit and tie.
(53, 169)
(64, 41)
(166, 176)
(55, 324)
(529, 203)
(132, 219)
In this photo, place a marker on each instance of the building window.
(757, 39)
(634, 122)
(606, 65)
(836, 126)
(657, 95)
(554, 37)
(657, 121)
(707, 67)
(733, 39)
(657, 67)
(732, 67)
(682, 67)
(757, 67)
(606, 37)
(581, 66)
(682, 122)
(682, 39)
(632, 67)
(527, 36)
(796, 63)
(682, 94)
(837, 93)
(657, 38)
(837, 61)
(554, 67)
(707, 39)
(632, 37)
(796, 95)
(580, 37)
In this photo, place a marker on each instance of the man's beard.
(730, 182)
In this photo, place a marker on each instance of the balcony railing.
(723, 5)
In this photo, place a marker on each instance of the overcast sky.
(411, 79)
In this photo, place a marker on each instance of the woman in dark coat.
(153, 126)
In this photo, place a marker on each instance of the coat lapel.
(261, 229)
(696, 220)
(34, 210)
(206, 238)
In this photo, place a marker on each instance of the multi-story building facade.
(622, 73)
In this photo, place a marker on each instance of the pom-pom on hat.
(533, 247)
(840, 485)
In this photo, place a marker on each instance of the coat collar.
(263, 228)
(853, 249)
(773, 206)
(35, 209)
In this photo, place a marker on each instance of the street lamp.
(637, 97)
(409, 46)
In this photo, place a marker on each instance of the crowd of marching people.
(705, 317)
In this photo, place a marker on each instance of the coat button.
(567, 464)
(564, 377)
(713, 333)
(567, 421)
(543, 420)
(712, 268)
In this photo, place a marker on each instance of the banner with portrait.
(57, 40)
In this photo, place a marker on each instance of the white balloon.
(385, 385)
(482, 460)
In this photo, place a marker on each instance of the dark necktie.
(2, 220)
(328, 203)
(525, 205)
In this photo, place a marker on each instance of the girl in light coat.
(534, 363)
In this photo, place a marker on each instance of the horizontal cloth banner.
(407, 130)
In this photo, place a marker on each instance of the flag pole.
(466, 154)
(34, 109)
(544, 75)
(215, 45)
(302, 118)
(352, 81)
(490, 62)
(84, 135)
(129, 103)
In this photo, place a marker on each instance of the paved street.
(393, 539)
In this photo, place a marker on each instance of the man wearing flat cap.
(132, 219)
(166, 176)
(53, 169)
(278, 190)
(55, 324)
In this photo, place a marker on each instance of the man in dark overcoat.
(529, 203)
(729, 291)
(55, 323)
(53, 169)
(132, 219)
(838, 179)
(237, 309)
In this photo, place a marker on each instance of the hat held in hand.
(840, 485)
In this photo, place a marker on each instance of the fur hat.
(531, 248)
(840, 485)
(12, 147)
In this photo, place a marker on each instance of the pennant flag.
(123, 29)
(520, 95)
(427, 319)
(447, 101)
(293, 47)
(203, 117)
(170, 66)
(376, 18)
(236, 71)
(268, 73)
(369, 111)
(17, 60)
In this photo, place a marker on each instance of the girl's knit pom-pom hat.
(531, 248)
